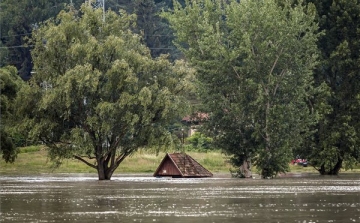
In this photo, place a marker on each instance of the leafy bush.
(199, 142)
(19, 140)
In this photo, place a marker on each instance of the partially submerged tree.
(254, 61)
(335, 143)
(97, 94)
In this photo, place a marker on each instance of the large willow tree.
(97, 95)
(254, 61)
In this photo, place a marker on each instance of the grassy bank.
(34, 160)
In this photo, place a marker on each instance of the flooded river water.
(82, 198)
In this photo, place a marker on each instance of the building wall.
(168, 168)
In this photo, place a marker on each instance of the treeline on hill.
(275, 79)
(20, 19)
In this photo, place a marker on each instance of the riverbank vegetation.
(272, 80)
(34, 160)
(258, 100)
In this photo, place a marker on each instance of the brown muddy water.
(82, 198)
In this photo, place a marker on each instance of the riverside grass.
(34, 160)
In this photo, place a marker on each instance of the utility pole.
(71, 4)
(97, 4)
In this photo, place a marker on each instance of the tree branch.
(120, 158)
(89, 157)
(237, 74)
(277, 84)
(116, 144)
(275, 62)
(84, 161)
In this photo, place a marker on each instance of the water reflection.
(79, 198)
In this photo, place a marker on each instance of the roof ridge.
(199, 164)
(176, 165)
(185, 165)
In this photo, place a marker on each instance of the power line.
(23, 34)
(160, 48)
(27, 46)
(20, 46)
(157, 35)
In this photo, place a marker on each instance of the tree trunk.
(245, 169)
(265, 170)
(333, 171)
(104, 172)
(322, 170)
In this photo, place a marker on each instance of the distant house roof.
(197, 117)
(181, 165)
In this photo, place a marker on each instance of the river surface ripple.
(82, 198)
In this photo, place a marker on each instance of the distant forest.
(17, 21)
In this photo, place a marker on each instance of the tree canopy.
(10, 84)
(254, 61)
(97, 94)
(335, 143)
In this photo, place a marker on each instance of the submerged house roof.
(181, 165)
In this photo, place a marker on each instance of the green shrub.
(199, 142)
(19, 140)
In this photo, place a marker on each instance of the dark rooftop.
(181, 165)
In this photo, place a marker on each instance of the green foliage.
(17, 21)
(335, 142)
(19, 140)
(4, 53)
(254, 61)
(8, 150)
(97, 92)
(10, 84)
(199, 142)
(156, 32)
